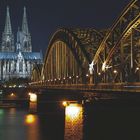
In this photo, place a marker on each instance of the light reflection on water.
(33, 126)
(73, 122)
(19, 125)
(91, 122)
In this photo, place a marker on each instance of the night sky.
(46, 16)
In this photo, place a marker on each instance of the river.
(101, 122)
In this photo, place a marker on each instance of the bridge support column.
(33, 103)
(95, 75)
(91, 79)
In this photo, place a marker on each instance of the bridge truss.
(118, 56)
(113, 54)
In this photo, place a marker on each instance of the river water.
(91, 122)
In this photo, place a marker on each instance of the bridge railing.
(87, 87)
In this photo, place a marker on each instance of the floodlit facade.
(17, 59)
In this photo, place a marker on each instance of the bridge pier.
(51, 100)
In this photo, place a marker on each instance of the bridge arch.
(67, 57)
(117, 58)
(36, 73)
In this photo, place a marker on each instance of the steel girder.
(113, 43)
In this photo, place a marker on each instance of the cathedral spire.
(8, 28)
(24, 22)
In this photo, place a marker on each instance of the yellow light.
(73, 111)
(77, 76)
(137, 68)
(30, 119)
(73, 120)
(64, 103)
(12, 95)
(87, 75)
(104, 66)
(33, 97)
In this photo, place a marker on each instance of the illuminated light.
(51, 80)
(115, 71)
(33, 97)
(72, 111)
(30, 119)
(55, 79)
(73, 122)
(104, 66)
(65, 103)
(12, 94)
(99, 73)
(59, 79)
(87, 75)
(70, 77)
(91, 69)
(48, 80)
(64, 78)
(137, 68)
(77, 76)
(14, 86)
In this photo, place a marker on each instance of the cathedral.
(16, 56)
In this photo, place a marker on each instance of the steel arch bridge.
(118, 56)
(68, 55)
(36, 73)
(87, 56)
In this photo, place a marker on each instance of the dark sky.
(46, 16)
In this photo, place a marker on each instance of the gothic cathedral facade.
(17, 59)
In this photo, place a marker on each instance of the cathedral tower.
(26, 42)
(7, 36)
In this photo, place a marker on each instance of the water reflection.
(30, 119)
(73, 122)
(12, 111)
(97, 121)
(1, 112)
